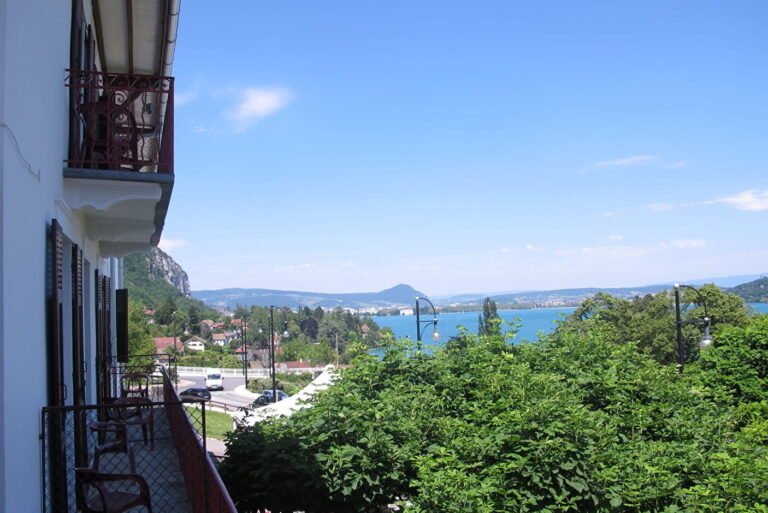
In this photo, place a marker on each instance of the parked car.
(200, 394)
(266, 397)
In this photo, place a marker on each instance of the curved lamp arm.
(706, 340)
(419, 322)
(701, 301)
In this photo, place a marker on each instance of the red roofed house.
(162, 344)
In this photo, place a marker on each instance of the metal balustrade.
(174, 463)
(121, 122)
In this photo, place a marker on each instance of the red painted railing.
(205, 489)
(121, 122)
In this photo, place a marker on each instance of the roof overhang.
(124, 211)
(136, 36)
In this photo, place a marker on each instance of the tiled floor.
(159, 467)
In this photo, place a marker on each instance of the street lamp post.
(272, 343)
(419, 322)
(243, 333)
(706, 339)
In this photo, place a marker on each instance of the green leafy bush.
(576, 422)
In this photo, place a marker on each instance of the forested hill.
(400, 295)
(754, 291)
(153, 277)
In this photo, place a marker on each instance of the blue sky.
(469, 146)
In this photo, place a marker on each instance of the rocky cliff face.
(161, 265)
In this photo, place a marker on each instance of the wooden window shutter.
(121, 321)
(57, 389)
(103, 336)
(78, 352)
(102, 381)
(106, 335)
(78, 357)
(107, 318)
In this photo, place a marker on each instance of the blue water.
(532, 322)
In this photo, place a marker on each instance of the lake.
(532, 322)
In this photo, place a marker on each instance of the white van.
(214, 380)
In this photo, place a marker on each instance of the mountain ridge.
(400, 294)
(403, 295)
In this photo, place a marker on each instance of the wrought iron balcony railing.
(120, 122)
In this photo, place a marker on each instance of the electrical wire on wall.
(19, 154)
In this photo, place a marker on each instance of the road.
(227, 396)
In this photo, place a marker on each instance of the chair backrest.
(109, 435)
(88, 481)
(93, 496)
(135, 384)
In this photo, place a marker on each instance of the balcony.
(166, 448)
(119, 173)
(121, 122)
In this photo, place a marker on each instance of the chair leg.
(131, 459)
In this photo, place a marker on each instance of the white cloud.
(685, 244)
(611, 252)
(169, 245)
(659, 207)
(752, 200)
(533, 249)
(634, 160)
(609, 214)
(257, 103)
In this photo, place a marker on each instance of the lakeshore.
(531, 321)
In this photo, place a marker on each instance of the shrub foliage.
(575, 422)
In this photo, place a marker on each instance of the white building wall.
(3, 136)
(34, 52)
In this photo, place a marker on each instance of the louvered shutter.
(121, 324)
(57, 390)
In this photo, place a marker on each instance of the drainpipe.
(170, 35)
(172, 24)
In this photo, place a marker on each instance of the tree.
(140, 343)
(165, 313)
(194, 319)
(649, 321)
(577, 422)
(309, 327)
(241, 312)
(205, 331)
(489, 323)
